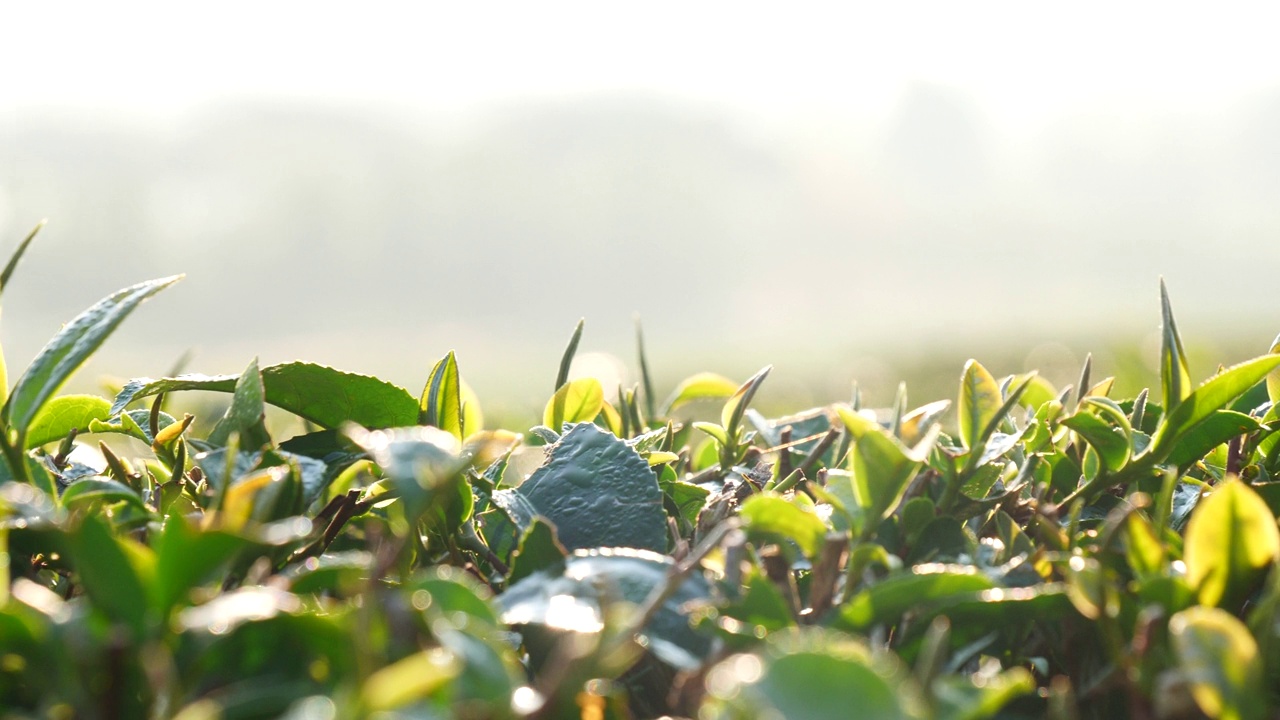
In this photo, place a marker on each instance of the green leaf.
(882, 469)
(566, 360)
(572, 597)
(424, 464)
(63, 414)
(771, 516)
(736, 405)
(100, 490)
(924, 586)
(323, 395)
(1214, 430)
(441, 402)
(4, 282)
(70, 348)
(1105, 427)
(714, 431)
(134, 423)
(1273, 378)
(813, 675)
(1219, 658)
(1175, 378)
(116, 573)
(980, 400)
(703, 386)
(245, 416)
(575, 402)
(596, 490)
(981, 695)
(186, 557)
(1213, 395)
(1231, 541)
(539, 549)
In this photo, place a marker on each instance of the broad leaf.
(1231, 542)
(323, 395)
(538, 549)
(576, 401)
(597, 492)
(63, 414)
(882, 469)
(1219, 658)
(771, 516)
(116, 573)
(814, 675)
(922, 587)
(1104, 426)
(573, 596)
(245, 416)
(1213, 395)
(70, 348)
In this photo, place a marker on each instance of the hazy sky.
(1022, 61)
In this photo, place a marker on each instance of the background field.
(846, 193)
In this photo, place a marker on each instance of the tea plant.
(1045, 553)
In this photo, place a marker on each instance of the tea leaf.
(1219, 658)
(703, 386)
(323, 395)
(772, 516)
(441, 402)
(70, 348)
(63, 414)
(576, 401)
(1230, 543)
(731, 414)
(245, 416)
(1175, 378)
(1213, 395)
(597, 492)
(980, 400)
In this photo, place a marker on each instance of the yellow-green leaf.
(1175, 378)
(1230, 543)
(703, 386)
(441, 402)
(979, 402)
(1273, 379)
(1219, 658)
(576, 401)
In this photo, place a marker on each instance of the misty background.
(878, 222)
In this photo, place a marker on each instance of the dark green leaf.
(596, 491)
(539, 549)
(923, 586)
(323, 395)
(245, 416)
(1213, 395)
(570, 597)
(117, 574)
(1216, 429)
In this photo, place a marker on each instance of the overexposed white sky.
(1022, 61)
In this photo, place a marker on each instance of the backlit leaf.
(63, 414)
(1219, 658)
(1231, 542)
(70, 348)
(576, 401)
(703, 386)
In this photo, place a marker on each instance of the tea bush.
(1052, 553)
